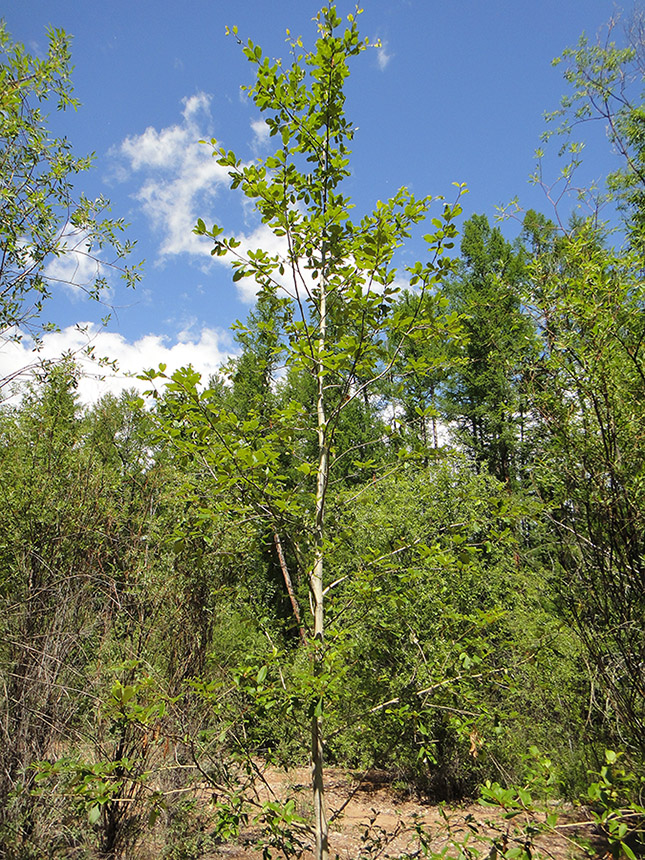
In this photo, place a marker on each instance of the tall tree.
(254, 372)
(484, 395)
(338, 277)
(419, 374)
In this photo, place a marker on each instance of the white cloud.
(181, 177)
(261, 134)
(180, 182)
(78, 267)
(401, 282)
(382, 56)
(206, 351)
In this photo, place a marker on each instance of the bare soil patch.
(369, 820)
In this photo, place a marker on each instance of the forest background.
(402, 529)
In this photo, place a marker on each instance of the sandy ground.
(368, 820)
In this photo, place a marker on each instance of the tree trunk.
(289, 585)
(316, 588)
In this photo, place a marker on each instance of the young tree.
(334, 281)
(588, 385)
(589, 392)
(41, 221)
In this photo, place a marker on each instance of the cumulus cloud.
(181, 178)
(180, 181)
(205, 350)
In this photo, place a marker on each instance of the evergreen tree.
(484, 395)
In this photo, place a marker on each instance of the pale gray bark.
(317, 593)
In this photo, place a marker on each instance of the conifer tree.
(485, 395)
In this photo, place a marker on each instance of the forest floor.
(377, 822)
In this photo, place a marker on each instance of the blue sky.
(457, 93)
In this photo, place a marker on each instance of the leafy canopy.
(40, 218)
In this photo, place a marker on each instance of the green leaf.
(628, 851)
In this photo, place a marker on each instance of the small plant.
(114, 790)
(283, 829)
(614, 809)
(187, 836)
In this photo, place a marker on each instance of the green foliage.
(589, 391)
(114, 792)
(87, 580)
(253, 374)
(619, 817)
(291, 561)
(605, 83)
(40, 220)
(419, 371)
(444, 636)
(485, 395)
